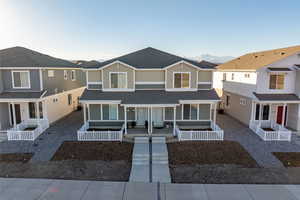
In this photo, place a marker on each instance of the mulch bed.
(15, 157)
(288, 159)
(104, 151)
(268, 129)
(30, 128)
(209, 153)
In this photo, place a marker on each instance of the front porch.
(269, 120)
(27, 119)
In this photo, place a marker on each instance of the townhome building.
(150, 92)
(35, 91)
(262, 89)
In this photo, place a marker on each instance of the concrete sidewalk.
(46, 189)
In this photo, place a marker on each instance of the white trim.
(187, 63)
(117, 90)
(86, 78)
(109, 79)
(117, 62)
(48, 68)
(149, 82)
(13, 81)
(41, 80)
(204, 83)
(18, 100)
(150, 105)
(197, 101)
(181, 88)
(101, 101)
(73, 78)
(95, 82)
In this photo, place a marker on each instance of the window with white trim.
(190, 111)
(227, 100)
(73, 75)
(224, 77)
(265, 112)
(21, 79)
(247, 75)
(243, 101)
(69, 99)
(118, 80)
(181, 80)
(232, 76)
(110, 112)
(50, 73)
(65, 74)
(276, 82)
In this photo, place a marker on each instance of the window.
(265, 112)
(276, 81)
(50, 73)
(190, 111)
(21, 79)
(110, 111)
(224, 77)
(73, 75)
(118, 80)
(31, 106)
(181, 80)
(243, 101)
(247, 75)
(69, 99)
(65, 74)
(227, 100)
(232, 76)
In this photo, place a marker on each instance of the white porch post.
(148, 112)
(45, 111)
(174, 122)
(125, 119)
(283, 115)
(215, 113)
(84, 112)
(14, 113)
(260, 113)
(151, 125)
(253, 111)
(37, 111)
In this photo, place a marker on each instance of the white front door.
(142, 116)
(157, 117)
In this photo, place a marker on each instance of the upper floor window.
(65, 74)
(181, 80)
(224, 77)
(73, 75)
(276, 81)
(247, 75)
(232, 76)
(118, 79)
(21, 79)
(50, 73)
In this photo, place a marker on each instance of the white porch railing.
(279, 133)
(215, 134)
(19, 132)
(84, 135)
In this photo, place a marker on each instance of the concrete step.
(139, 173)
(159, 140)
(161, 173)
(141, 140)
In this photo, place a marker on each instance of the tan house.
(261, 89)
(150, 92)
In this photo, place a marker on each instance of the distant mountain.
(212, 58)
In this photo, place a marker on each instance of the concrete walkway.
(46, 189)
(160, 162)
(140, 170)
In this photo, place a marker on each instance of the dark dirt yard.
(105, 151)
(288, 159)
(209, 153)
(15, 157)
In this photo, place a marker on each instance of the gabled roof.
(276, 97)
(23, 57)
(256, 60)
(150, 58)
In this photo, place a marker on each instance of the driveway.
(48, 142)
(260, 150)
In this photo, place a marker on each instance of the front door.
(17, 112)
(157, 117)
(280, 115)
(142, 116)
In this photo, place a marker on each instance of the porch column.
(174, 122)
(125, 119)
(253, 111)
(260, 113)
(215, 113)
(37, 110)
(14, 114)
(283, 115)
(45, 111)
(84, 112)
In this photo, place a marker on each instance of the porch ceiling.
(277, 97)
(149, 96)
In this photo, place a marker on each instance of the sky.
(95, 29)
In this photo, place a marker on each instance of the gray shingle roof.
(149, 96)
(276, 97)
(23, 57)
(150, 58)
(21, 95)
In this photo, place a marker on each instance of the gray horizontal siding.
(204, 86)
(149, 86)
(95, 86)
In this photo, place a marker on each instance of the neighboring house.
(262, 89)
(150, 92)
(35, 91)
